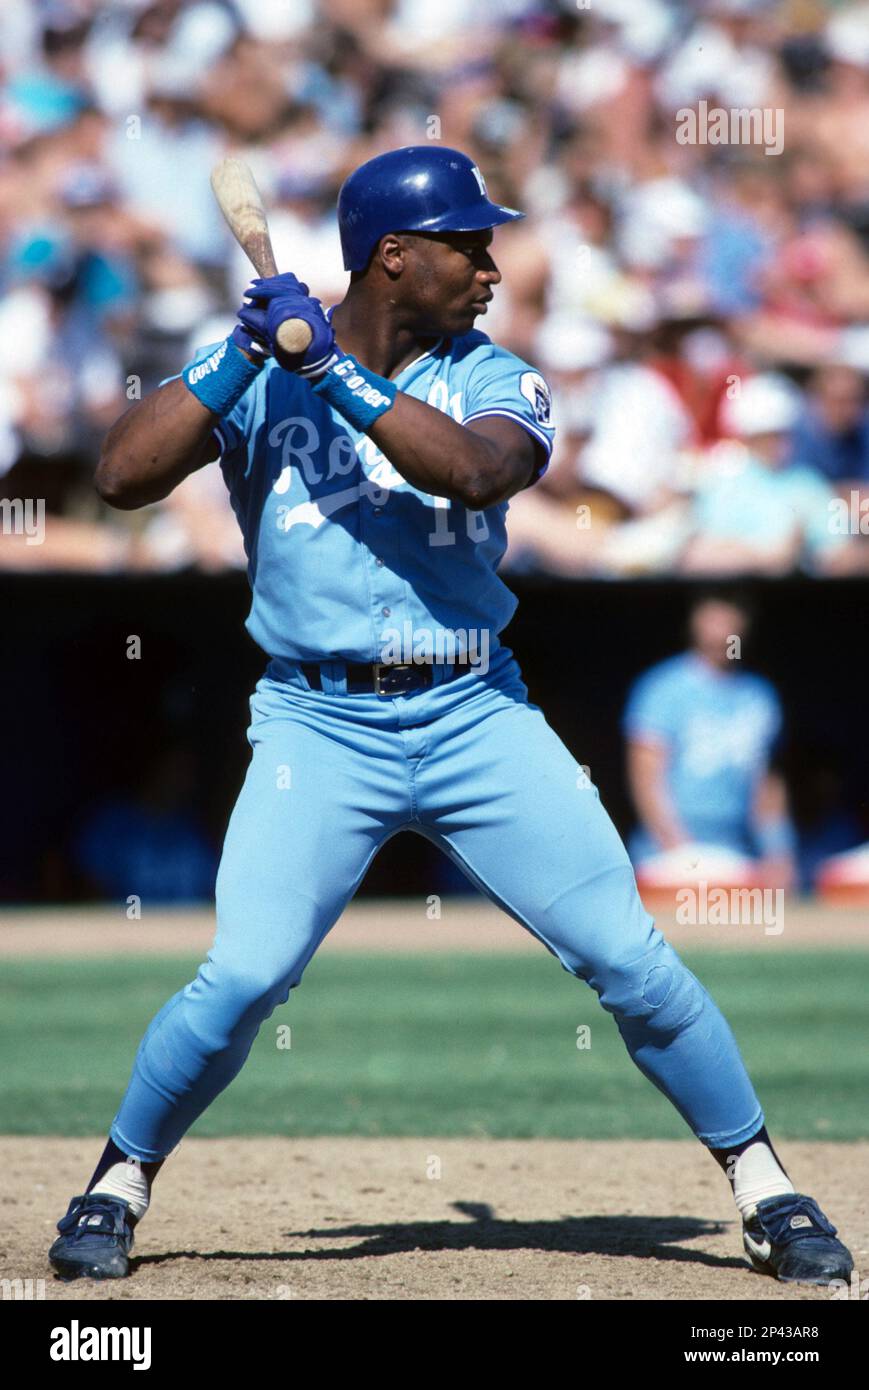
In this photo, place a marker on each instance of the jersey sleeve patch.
(538, 396)
(500, 383)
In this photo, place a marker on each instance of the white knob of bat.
(294, 335)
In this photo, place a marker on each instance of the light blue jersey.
(339, 547)
(763, 506)
(342, 550)
(719, 728)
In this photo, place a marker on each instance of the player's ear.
(393, 250)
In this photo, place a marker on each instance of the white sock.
(756, 1174)
(127, 1182)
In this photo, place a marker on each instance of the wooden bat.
(239, 201)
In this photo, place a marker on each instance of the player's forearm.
(660, 820)
(438, 455)
(773, 828)
(647, 784)
(154, 446)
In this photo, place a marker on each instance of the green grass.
(446, 1045)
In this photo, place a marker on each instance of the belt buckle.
(381, 672)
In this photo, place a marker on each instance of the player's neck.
(720, 666)
(374, 334)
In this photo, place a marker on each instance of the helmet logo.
(479, 177)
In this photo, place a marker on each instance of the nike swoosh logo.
(761, 1249)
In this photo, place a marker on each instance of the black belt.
(384, 678)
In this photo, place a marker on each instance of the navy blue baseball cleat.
(95, 1239)
(791, 1239)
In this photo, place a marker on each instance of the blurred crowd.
(701, 309)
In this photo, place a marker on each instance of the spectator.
(545, 522)
(832, 433)
(754, 512)
(112, 113)
(638, 423)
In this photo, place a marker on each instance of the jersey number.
(476, 524)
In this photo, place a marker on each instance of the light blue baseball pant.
(474, 767)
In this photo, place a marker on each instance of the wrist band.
(220, 380)
(775, 837)
(356, 393)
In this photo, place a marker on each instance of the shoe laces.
(779, 1222)
(94, 1215)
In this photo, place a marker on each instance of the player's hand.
(267, 304)
(779, 871)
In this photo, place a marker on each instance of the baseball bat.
(239, 200)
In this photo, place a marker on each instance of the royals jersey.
(341, 548)
(719, 728)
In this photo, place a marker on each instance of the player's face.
(713, 625)
(449, 279)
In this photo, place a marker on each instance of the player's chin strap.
(356, 393)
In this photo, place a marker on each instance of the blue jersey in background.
(719, 728)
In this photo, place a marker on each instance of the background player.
(370, 480)
(701, 731)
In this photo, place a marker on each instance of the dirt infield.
(281, 1219)
(363, 1218)
(465, 924)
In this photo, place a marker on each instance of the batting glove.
(267, 304)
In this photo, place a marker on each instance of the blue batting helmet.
(420, 188)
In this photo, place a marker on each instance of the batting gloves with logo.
(267, 304)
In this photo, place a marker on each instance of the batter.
(371, 477)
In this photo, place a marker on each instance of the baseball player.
(371, 477)
(701, 735)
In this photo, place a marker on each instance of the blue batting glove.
(256, 347)
(268, 303)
